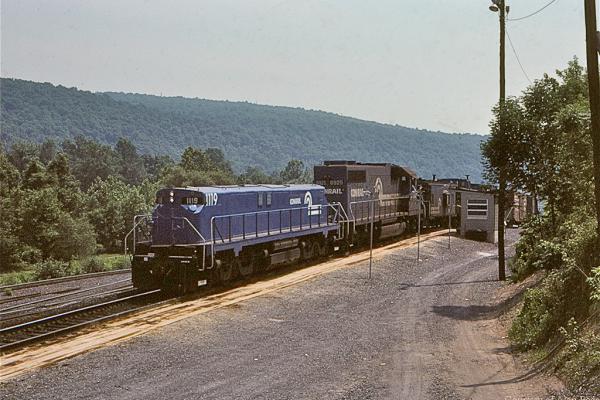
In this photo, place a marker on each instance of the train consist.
(199, 236)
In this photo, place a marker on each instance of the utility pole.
(500, 5)
(593, 48)
(372, 212)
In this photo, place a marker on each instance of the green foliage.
(90, 160)
(540, 142)
(580, 358)
(294, 172)
(47, 215)
(565, 292)
(50, 268)
(76, 238)
(254, 175)
(594, 281)
(199, 168)
(155, 164)
(35, 176)
(92, 264)
(17, 277)
(549, 307)
(544, 147)
(22, 153)
(248, 134)
(131, 164)
(112, 205)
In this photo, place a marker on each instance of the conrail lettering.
(333, 191)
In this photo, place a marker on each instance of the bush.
(537, 320)
(549, 307)
(118, 262)
(535, 251)
(580, 358)
(93, 264)
(76, 238)
(52, 269)
(15, 278)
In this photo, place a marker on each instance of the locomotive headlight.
(171, 194)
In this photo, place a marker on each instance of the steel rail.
(53, 281)
(57, 317)
(60, 296)
(24, 313)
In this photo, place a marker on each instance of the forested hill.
(249, 134)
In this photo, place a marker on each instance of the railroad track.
(57, 298)
(29, 332)
(53, 281)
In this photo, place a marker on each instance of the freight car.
(203, 235)
(521, 208)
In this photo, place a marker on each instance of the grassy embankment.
(56, 269)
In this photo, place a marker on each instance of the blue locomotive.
(200, 235)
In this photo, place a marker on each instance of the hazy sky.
(421, 63)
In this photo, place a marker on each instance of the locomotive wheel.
(316, 250)
(246, 266)
(226, 270)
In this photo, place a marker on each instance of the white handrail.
(373, 201)
(274, 211)
(135, 225)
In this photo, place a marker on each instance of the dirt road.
(416, 330)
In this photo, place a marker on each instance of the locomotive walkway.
(416, 330)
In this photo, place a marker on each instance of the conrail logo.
(308, 200)
(378, 186)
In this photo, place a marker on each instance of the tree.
(218, 161)
(194, 159)
(35, 176)
(112, 204)
(9, 175)
(294, 172)
(544, 135)
(23, 153)
(11, 248)
(90, 160)
(47, 151)
(197, 168)
(254, 175)
(40, 219)
(131, 165)
(154, 165)
(68, 189)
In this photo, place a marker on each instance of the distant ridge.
(249, 134)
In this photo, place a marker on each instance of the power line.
(533, 13)
(517, 57)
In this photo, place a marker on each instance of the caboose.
(381, 193)
(440, 199)
(203, 235)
